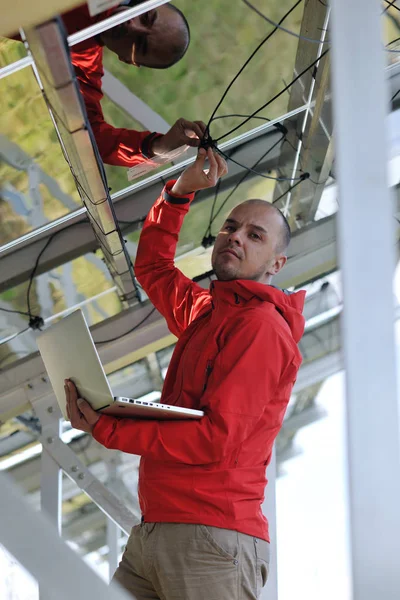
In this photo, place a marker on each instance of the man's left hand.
(80, 413)
(183, 133)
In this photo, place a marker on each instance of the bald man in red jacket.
(156, 39)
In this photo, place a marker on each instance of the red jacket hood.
(289, 305)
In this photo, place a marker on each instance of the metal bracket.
(48, 412)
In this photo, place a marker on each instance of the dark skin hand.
(183, 133)
(80, 413)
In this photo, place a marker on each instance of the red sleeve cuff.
(104, 428)
(175, 198)
(146, 145)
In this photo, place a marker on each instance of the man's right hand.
(195, 178)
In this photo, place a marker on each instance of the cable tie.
(281, 128)
(207, 142)
(36, 322)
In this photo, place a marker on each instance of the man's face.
(145, 40)
(246, 246)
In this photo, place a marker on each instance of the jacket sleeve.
(175, 296)
(253, 373)
(117, 146)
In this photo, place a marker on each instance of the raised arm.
(117, 146)
(177, 298)
(128, 147)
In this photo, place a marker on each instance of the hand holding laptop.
(71, 359)
(80, 413)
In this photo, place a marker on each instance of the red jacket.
(120, 147)
(236, 359)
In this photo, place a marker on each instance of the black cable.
(240, 116)
(276, 96)
(207, 275)
(251, 170)
(15, 312)
(395, 96)
(289, 190)
(33, 272)
(245, 65)
(295, 150)
(292, 33)
(391, 4)
(129, 331)
(208, 238)
(37, 321)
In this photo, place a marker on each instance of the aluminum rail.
(33, 540)
(54, 71)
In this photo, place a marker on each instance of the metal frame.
(35, 543)
(373, 435)
(366, 224)
(55, 75)
(308, 111)
(47, 409)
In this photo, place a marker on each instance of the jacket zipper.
(209, 369)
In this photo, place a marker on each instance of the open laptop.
(68, 352)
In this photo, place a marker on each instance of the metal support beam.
(51, 481)
(34, 542)
(67, 460)
(366, 233)
(51, 476)
(55, 76)
(113, 531)
(133, 105)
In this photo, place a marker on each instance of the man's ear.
(277, 265)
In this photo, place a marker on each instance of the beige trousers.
(168, 561)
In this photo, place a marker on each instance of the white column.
(113, 535)
(366, 238)
(113, 531)
(50, 480)
(270, 592)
